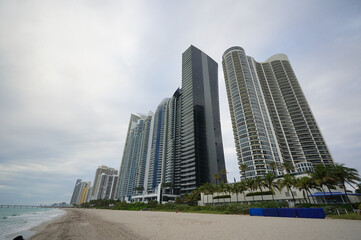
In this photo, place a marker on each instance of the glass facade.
(181, 144)
(201, 139)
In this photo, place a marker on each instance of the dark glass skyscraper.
(201, 138)
(180, 146)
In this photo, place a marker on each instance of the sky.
(72, 72)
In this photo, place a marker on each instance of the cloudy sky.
(72, 72)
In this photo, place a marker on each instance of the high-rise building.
(98, 173)
(173, 161)
(134, 169)
(84, 191)
(80, 193)
(158, 152)
(271, 119)
(180, 145)
(201, 138)
(74, 197)
(107, 186)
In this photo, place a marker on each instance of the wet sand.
(94, 224)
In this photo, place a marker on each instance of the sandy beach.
(94, 224)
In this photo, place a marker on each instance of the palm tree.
(207, 189)
(251, 186)
(216, 177)
(228, 189)
(223, 188)
(322, 177)
(358, 190)
(235, 189)
(305, 184)
(242, 188)
(223, 173)
(269, 183)
(210, 188)
(344, 175)
(199, 190)
(219, 189)
(288, 166)
(243, 167)
(259, 184)
(288, 181)
(273, 165)
(191, 199)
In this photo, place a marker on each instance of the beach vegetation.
(259, 193)
(222, 196)
(269, 181)
(343, 175)
(288, 167)
(243, 167)
(349, 216)
(331, 209)
(289, 182)
(100, 203)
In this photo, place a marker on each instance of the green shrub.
(237, 209)
(250, 194)
(304, 205)
(222, 196)
(351, 216)
(269, 204)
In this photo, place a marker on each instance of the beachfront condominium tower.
(98, 173)
(151, 153)
(135, 155)
(271, 119)
(74, 197)
(80, 193)
(201, 139)
(107, 186)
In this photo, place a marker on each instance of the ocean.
(19, 221)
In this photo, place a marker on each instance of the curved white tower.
(271, 119)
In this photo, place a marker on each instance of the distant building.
(100, 170)
(89, 196)
(107, 186)
(80, 193)
(84, 191)
(271, 119)
(74, 197)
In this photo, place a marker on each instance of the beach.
(93, 224)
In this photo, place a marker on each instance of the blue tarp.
(287, 212)
(255, 212)
(270, 212)
(310, 213)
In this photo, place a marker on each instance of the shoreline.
(27, 233)
(40, 228)
(96, 224)
(81, 224)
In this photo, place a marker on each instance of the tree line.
(323, 178)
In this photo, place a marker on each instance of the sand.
(94, 224)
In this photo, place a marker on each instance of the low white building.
(300, 196)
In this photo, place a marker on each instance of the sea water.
(19, 221)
